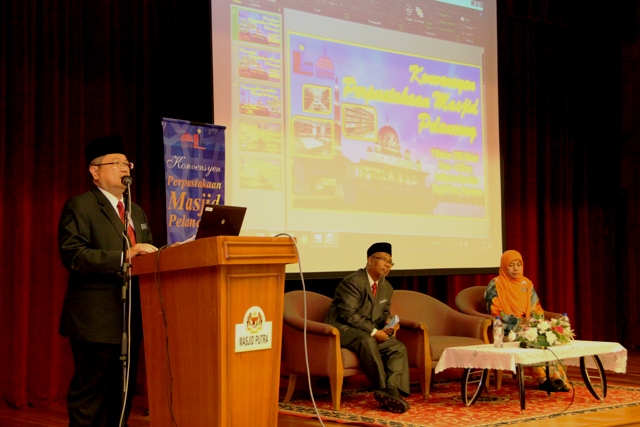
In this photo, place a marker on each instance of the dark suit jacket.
(90, 243)
(354, 307)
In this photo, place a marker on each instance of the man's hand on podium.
(140, 249)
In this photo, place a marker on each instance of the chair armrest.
(480, 314)
(313, 327)
(551, 315)
(411, 324)
(466, 325)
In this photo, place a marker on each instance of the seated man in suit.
(360, 310)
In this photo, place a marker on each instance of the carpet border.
(339, 416)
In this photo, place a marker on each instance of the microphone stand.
(126, 277)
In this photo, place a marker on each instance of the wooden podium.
(196, 298)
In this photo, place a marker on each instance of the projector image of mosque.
(386, 179)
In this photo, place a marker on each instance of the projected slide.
(369, 124)
(354, 122)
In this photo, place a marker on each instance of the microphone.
(127, 180)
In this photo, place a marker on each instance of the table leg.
(546, 369)
(520, 375)
(472, 383)
(600, 375)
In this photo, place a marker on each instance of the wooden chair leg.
(425, 381)
(290, 387)
(426, 388)
(335, 382)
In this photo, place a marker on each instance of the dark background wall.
(75, 70)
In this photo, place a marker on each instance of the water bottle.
(498, 332)
(564, 318)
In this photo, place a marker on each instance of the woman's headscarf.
(514, 295)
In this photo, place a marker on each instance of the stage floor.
(55, 415)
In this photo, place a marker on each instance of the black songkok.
(379, 247)
(102, 146)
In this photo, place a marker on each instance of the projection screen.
(356, 121)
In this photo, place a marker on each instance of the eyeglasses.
(117, 164)
(385, 260)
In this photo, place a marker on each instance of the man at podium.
(91, 242)
(360, 310)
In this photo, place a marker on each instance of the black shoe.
(559, 385)
(546, 386)
(406, 403)
(391, 400)
(554, 386)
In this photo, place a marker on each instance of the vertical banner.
(194, 174)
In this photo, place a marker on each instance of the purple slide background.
(386, 70)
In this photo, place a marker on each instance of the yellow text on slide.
(454, 190)
(444, 177)
(459, 155)
(389, 96)
(443, 102)
(437, 126)
(421, 78)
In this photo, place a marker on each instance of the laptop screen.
(220, 220)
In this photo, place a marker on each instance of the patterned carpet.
(445, 408)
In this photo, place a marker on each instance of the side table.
(477, 360)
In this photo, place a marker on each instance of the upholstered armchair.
(326, 358)
(428, 326)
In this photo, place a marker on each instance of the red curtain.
(73, 71)
(76, 70)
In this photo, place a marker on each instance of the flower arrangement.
(540, 332)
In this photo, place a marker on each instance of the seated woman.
(511, 297)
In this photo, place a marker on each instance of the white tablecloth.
(612, 355)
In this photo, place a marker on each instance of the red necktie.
(374, 289)
(130, 232)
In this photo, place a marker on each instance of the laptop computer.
(220, 220)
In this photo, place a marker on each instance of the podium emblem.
(254, 321)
